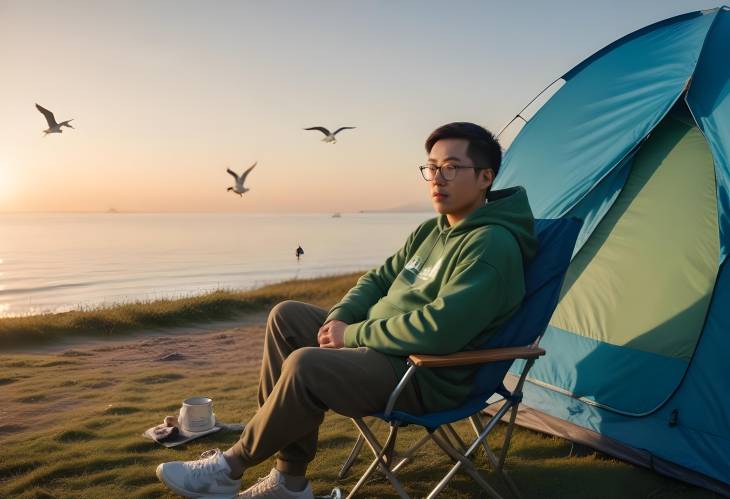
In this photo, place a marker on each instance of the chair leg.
(406, 456)
(478, 428)
(364, 477)
(517, 397)
(456, 436)
(462, 460)
(440, 430)
(345, 469)
(508, 436)
(366, 434)
(379, 460)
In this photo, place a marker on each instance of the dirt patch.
(101, 365)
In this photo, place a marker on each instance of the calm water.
(57, 262)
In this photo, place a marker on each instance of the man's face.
(464, 193)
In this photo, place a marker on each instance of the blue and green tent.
(635, 141)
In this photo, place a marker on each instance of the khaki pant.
(300, 381)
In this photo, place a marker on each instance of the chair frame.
(442, 435)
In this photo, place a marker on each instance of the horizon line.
(142, 212)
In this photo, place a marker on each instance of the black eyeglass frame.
(440, 171)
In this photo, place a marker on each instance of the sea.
(59, 262)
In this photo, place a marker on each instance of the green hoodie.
(446, 290)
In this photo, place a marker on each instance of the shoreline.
(132, 319)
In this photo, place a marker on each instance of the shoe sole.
(186, 493)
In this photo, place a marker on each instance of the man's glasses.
(448, 172)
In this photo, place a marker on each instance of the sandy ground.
(90, 366)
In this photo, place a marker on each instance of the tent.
(635, 140)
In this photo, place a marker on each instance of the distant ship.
(336, 215)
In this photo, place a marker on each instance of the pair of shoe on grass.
(209, 478)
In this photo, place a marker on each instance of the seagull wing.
(232, 173)
(343, 128)
(49, 116)
(245, 174)
(320, 128)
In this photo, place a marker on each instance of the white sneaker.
(272, 487)
(207, 477)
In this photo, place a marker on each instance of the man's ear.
(487, 176)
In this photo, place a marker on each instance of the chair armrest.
(476, 357)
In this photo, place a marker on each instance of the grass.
(83, 412)
(97, 450)
(118, 320)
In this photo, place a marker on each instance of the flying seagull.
(53, 127)
(330, 136)
(239, 188)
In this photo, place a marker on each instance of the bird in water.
(299, 251)
(239, 188)
(53, 127)
(330, 136)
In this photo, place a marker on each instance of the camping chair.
(518, 339)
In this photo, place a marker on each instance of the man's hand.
(332, 334)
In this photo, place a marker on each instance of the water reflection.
(56, 262)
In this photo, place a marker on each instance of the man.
(458, 277)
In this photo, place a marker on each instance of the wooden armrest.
(476, 357)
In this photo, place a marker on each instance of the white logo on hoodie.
(415, 266)
(428, 273)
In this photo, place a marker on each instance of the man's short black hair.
(484, 150)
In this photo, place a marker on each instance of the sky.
(165, 95)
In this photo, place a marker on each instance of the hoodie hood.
(506, 207)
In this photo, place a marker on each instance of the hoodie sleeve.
(476, 295)
(371, 287)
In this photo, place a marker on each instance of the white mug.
(196, 414)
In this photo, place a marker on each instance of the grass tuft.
(157, 379)
(74, 436)
(121, 410)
